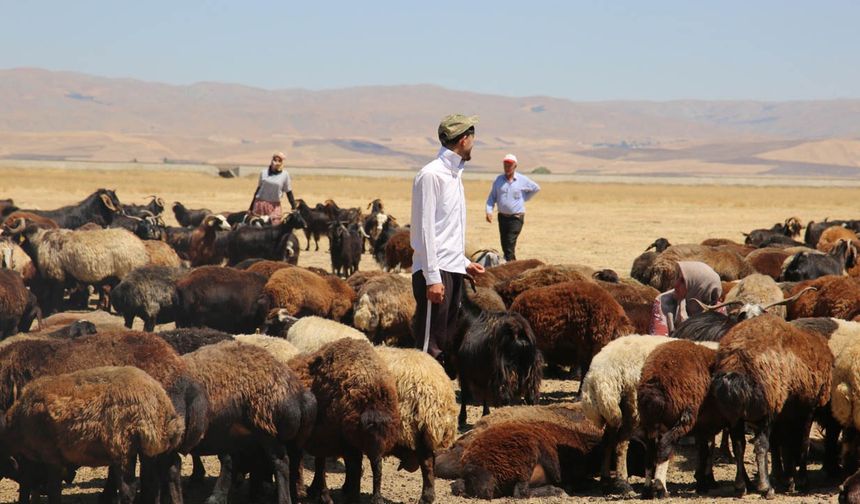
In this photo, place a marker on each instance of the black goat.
(146, 228)
(187, 217)
(496, 358)
(317, 222)
(277, 243)
(100, 207)
(814, 230)
(154, 208)
(345, 248)
(389, 229)
(808, 266)
(180, 239)
(705, 326)
(790, 228)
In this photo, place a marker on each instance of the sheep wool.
(309, 334)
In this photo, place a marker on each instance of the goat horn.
(19, 226)
(708, 307)
(791, 299)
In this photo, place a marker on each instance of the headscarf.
(702, 282)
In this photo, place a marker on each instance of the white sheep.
(309, 334)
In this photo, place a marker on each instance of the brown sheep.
(540, 276)
(398, 252)
(31, 218)
(572, 321)
(486, 298)
(251, 393)
(771, 375)
(357, 412)
(836, 296)
(673, 401)
(13, 257)
(831, 236)
(204, 250)
(526, 459)
(804, 306)
(726, 262)
(302, 292)
(636, 299)
(226, 299)
(740, 248)
(26, 360)
(161, 254)
(769, 260)
(18, 306)
(513, 268)
(103, 416)
(359, 278)
(384, 308)
(267, 268)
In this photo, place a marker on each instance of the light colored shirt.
(438, 231)
(511, 195)
(272, 186)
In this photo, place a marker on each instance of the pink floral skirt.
(273, 210)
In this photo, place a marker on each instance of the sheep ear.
(108, 203)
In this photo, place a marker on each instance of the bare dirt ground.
(601, 225)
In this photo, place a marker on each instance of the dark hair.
(454, 141)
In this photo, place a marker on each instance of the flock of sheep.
(270, 361)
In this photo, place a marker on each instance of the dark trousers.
(434, 334)
(509, 230)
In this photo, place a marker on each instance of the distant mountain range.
(72, 116)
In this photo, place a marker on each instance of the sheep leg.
(803, 455)
(129, 320)
(352, 480)
(465, 397)
(650, 463)
(376, 470)
(170, 472)
(222, 485)
(610, 438)
(725, 446)
(705, 464)
(54, 484)
(832, 429)
(761, 443)
(308, 238)
(742, 480)
(486, 410)
(318, 486)
(281, 464)
(198, 472)
(149, 324)
(108, 494)
(296, 486)
(126, 480)
(428, 475)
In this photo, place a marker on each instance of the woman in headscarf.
(693, 281)
(274, 183)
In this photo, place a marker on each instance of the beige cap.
(455, 125)
(280, 155)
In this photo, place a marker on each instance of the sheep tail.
(736, 395)
(652, 405)
(196, 415)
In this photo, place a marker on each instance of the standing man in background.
(438, 237)
(510, 191)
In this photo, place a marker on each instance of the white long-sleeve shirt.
(438, 232)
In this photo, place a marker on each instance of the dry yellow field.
(601, 225)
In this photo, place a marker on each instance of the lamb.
(187, 217)
(358, 412)
(309, 334)
(252, 393)
(771, 375)
(188, 339)
(609, 400)
(149, 293)
(384, 310)
(428, 409)
(540, 276)
(94, 417)
(18, 306)
(572, 321)
(302, 292)
(204, 248)
(496, 357)
(221, 298)
(672, 399)
(98, 257)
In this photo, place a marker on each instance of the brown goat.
(398, 252)
(771, 375)
(357, 412)
(673, 401)
(203, 249)
(572, 321)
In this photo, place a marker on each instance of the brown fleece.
(786, 362)
(302, 292)
(95, 417)
(350, 381)
(768, 261)
(636, 299)
(161, 254)
(359, 278)
(573, 320)
(726, 262)
(541, 276)
(398, 251)
(830, 237)
(267, 268)
(513, 268)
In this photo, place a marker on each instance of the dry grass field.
(600, 225)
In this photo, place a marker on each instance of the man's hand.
(475, 269)
(436, 293)
(490, 218)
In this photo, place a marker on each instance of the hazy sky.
(582, 50)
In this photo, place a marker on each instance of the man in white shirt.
(438, 237)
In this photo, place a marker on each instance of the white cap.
(510, 158)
